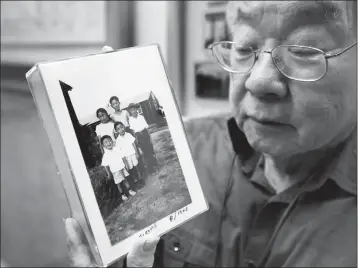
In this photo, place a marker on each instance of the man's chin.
(271, 147)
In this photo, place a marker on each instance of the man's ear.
(238, 139)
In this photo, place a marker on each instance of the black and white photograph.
(132, 163)
(179, 133)
(126, 145)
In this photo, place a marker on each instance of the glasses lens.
(234, 57)
(301, 63)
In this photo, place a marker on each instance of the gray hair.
(344, 12)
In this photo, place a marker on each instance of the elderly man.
(285, 195)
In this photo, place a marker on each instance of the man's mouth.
(267, 121)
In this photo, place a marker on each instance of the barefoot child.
(126, 142)
(140, 127)
(113, 162)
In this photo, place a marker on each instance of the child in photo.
(126, 142)
(119, 115)
(106, 126)
(139, 126)
(113, 162)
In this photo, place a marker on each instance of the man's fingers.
(78, 250)
(151, 244)
(142, 252)
(106, 49)
(73, 231)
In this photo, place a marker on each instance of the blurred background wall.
(32, 199)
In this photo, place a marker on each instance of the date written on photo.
(119, 145)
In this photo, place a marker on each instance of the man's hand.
(140, 255)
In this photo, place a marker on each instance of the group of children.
(123, 137)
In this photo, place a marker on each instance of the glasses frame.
(257, 52)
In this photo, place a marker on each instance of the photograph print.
(131, 141)
(132, 163)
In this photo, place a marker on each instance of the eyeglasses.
(300, 63)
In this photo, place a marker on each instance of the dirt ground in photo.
(161, 195)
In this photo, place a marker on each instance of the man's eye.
(242, 52)
(303, 52)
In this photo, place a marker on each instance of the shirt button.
(176, 247)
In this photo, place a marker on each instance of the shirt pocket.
(183, 249)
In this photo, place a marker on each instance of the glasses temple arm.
(331, 55)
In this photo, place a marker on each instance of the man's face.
(116, 105)
(280, 116)
(108, 143)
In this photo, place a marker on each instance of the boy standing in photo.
(113, 162)
(126, 142)
(139, 126)
(119, 115)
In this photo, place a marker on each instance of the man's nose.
(265, 80)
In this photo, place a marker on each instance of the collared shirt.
(122, 116)
(137, 124)
(319, 229)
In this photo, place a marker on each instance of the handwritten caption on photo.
(178, 214)
(173, 217)
(148, 230)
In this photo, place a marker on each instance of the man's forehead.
(307, 11)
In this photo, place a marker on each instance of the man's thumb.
(142, 252)
(150, 244)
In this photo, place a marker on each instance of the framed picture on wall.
(211, 81)
(48, 22)
(215, 27)
(37, 31)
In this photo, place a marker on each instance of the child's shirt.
(125, 142)
(105, 129)
(114, 159)
(122, 117)
(138, 124)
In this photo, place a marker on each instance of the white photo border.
(109, 253)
